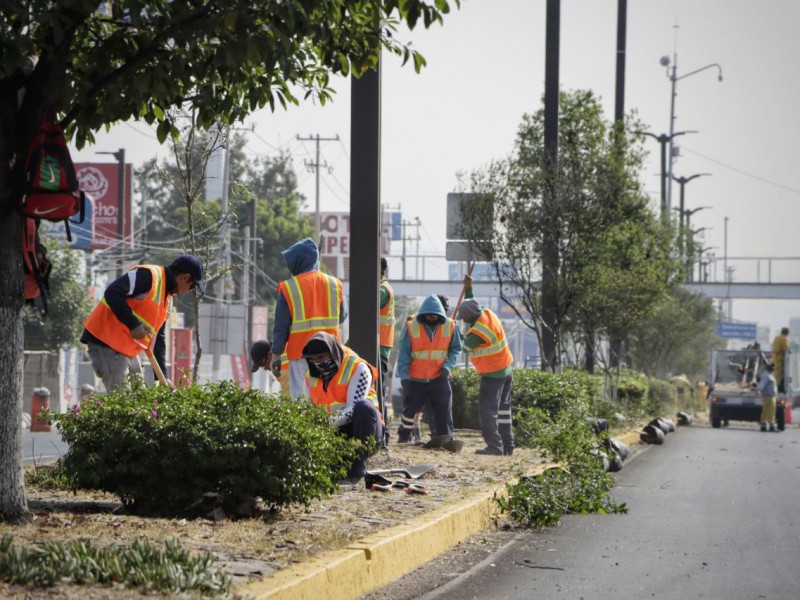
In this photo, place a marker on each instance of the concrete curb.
(374, 561)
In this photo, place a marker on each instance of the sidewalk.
(377, 559)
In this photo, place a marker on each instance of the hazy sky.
(486, 69)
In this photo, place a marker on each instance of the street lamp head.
(664, 60)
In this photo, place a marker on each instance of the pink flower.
(98, 403)
(154, 414)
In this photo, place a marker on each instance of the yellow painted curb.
(374, 561)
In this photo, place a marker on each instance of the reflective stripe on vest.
(493, 353)
(152, 311)
(387, 317)
(335, 398)
(428, 355)
(314, 299)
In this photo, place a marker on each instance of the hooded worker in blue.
(429, 348)
(309, 302)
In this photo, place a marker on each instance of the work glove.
(444, 373)
(467, 281)
(275, 367)
(139, 332)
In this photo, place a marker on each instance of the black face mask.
(326, 369)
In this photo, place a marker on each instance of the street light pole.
(663, 139)
(682, 181)
(689, 241)
(674, 78)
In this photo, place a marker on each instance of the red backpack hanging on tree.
(51, 192)
(51, 185)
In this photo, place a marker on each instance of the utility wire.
(742, 171)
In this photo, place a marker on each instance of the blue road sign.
(737, 331)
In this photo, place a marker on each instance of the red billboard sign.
(101, 182)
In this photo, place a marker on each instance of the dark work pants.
(494, 411)
(366, 423)
(386, 395)
(438, 395)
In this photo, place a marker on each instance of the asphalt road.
(712, 514)
(42, 447)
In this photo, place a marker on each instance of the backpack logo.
(37, 211)
(52, 178)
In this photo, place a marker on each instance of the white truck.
(732, 393)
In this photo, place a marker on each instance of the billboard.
(334, 247)
(101, 182)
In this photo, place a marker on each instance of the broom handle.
(463, 289)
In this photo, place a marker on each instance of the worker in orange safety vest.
(133, 309)
(344, 384)
(309, 302)
(486, 343)
(429, 348)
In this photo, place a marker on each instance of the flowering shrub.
(160, 451)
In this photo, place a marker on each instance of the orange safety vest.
(387, 317)
(428, 355)
(151, 310)
(314, 299)
(492, 354)
(335, 398)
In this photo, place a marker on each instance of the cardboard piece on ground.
(412, 472)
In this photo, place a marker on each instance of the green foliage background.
(68, 303)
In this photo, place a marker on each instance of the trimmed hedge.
(160, 451)
(532, 388)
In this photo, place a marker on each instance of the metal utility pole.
(120, 156)
(416, 263)
(550, 257)
(682, 181)
(674, 78)
(365, 215)
(316, 165)
(619, 99)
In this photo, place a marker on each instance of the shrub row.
(636, 395)
(160, 451)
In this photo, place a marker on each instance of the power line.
(742, 171)
(316, 165)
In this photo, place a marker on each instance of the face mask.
(326, 369)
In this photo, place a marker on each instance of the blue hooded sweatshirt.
(430, 306)
(300, 257)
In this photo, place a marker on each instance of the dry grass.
(260, 545)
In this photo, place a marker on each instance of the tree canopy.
(613, 256)
(94, 64)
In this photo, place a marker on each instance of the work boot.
(490, 451)
(763, 427)
(772, 427)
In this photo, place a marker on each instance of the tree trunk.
(13, 504)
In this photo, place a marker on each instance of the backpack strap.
(33, 268)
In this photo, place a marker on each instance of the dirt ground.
(254, 547)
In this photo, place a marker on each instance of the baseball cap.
(186, 263)
(258, 352)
